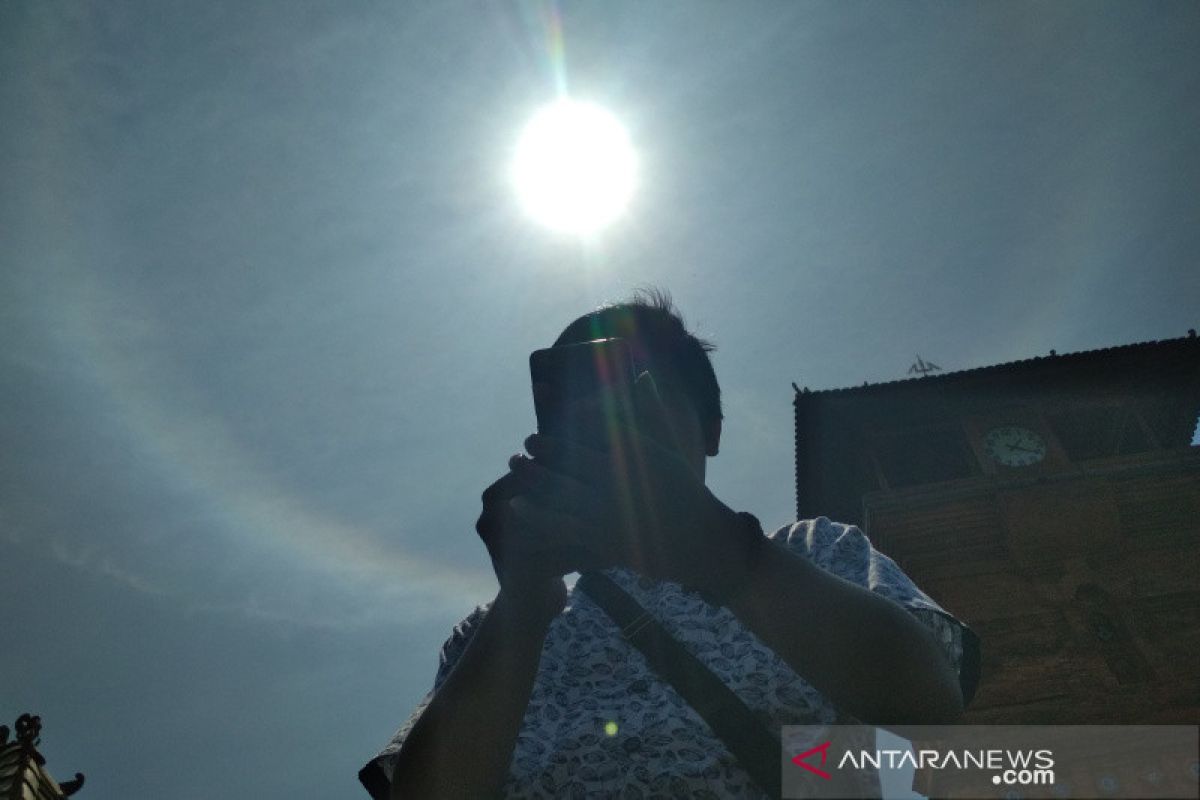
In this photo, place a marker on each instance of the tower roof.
(23, 769)
(1161, 379)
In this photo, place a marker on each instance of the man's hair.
(677, 356)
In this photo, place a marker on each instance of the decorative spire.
(922, 367)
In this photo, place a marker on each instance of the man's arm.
(462, 745)
(867, 654)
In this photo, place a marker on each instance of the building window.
(926, 456)
(1100, 431)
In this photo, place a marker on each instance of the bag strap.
(756, 749)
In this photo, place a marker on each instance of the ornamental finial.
(29, 730)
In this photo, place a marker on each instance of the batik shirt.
(601, 723)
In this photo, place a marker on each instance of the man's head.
(676, 358)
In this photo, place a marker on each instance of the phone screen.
(579, 389)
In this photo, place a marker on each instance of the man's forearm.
(462, 744)
(867, 654)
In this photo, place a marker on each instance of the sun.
(574, 168)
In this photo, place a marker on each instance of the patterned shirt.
(600, 722)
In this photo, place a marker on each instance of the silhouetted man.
(539, 694)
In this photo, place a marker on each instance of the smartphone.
(579, 388)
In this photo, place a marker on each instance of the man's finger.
(556, 529)
(555, 490)
(568, 457)
(549, 527)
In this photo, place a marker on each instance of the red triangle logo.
(824, 751)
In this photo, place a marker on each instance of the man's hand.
(637, 505)
(529, 563)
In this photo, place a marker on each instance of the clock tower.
(1052, 504)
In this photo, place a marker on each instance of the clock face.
(1014, 446)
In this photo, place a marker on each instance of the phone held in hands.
(580, 389)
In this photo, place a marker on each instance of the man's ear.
(712, 438)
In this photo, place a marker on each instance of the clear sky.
(266, 302)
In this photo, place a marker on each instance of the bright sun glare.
(574, 167)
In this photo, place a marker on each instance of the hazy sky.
(266, 302)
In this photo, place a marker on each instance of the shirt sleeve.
(845, 551)
(376, 775)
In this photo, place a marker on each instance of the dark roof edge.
(1079, 356)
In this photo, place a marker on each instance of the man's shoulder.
(465, 628)
(818, 532)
